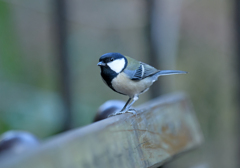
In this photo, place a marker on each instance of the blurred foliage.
(27, 108)
(23, 102)
(10, 50)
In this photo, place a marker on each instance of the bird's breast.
(123, 84)
(107, 75)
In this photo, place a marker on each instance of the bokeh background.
(50, 82)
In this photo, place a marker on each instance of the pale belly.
(129, 87)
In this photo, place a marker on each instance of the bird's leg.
(120, 112)
(126, 108)
(126, 104)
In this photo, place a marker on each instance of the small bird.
(128, 76)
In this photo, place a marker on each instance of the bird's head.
(115, 61)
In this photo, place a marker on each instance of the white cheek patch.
(117, 65)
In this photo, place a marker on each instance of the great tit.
(128, 76)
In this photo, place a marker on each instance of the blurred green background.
(190, 35)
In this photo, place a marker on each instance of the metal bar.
(61, 40)
(155, 90)
(237, 50)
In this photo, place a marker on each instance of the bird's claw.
(114, 114)
(133, 111)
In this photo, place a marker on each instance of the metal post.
(237, 50)
(61, 41)
(155, 90)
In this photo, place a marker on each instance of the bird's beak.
(101, 64)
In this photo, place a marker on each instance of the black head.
(111, 65)
(115, 61)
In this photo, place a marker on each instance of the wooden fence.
(163, 128)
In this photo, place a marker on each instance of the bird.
(129, 77)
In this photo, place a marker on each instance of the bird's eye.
(111, 59)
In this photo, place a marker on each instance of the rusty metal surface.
(163, 128)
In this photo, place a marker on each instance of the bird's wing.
(138, 70)
(147, 70)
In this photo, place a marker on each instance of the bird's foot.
(133, 111)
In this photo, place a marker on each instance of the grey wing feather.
(143, 71)
(132, 74)
(149, 70)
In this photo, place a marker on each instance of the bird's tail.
(170, 72)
